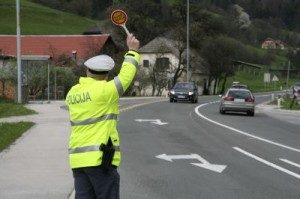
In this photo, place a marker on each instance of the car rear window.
(240, 94)
(239, 86)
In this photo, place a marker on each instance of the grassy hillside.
(37, 19)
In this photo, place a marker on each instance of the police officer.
(94, 146)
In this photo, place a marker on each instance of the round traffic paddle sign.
(119, 17)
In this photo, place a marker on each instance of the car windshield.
(240, 94)
(184, 86)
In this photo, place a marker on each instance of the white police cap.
(100, 63)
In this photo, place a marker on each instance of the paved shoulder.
(37, 165)
(281, 114)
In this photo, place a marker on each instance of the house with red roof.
(270, 43)
(77, 47)
(81, 46)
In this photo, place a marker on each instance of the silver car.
(238, 100)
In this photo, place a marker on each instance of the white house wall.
(152, 59)
(198, 78)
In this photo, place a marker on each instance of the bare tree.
(143, 79)
(7, 74)
(179, 45)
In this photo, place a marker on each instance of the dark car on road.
(238, 100)
(184, 91)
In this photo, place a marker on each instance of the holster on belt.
(108, 154)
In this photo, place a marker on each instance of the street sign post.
(18, 30)
(274, 80)
(267, 79)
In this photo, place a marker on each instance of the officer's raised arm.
(133, 43)
(128, 70)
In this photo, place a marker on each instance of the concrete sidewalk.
(280, 114)
(37, 165)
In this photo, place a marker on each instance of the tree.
(8, 73)
(64, 78)
(158, 78)
(294, 57)
(36, 77)
(219, 53)
(144, 80)
(180, 47)
(156, 74)
(80, 7)
(147, 19)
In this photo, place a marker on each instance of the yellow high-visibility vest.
(93, 109)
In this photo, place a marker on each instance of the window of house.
(162, 63)
(146, 63)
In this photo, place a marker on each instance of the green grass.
(9, 132)
(287, 103)
(37, 19)
(8, 108)
(255, 81)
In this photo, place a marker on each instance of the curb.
(266, 106)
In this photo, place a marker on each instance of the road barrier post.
(278, 102)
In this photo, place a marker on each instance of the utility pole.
(18, 51)
(288, 74)
(188, 41)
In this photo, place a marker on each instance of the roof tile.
(53, 45)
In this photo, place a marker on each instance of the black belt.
(110, 166)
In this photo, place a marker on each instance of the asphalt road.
(235, 156)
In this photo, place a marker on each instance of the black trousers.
(94, 183)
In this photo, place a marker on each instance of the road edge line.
(239, 131)
(296, 175)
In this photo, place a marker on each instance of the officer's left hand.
(133, 43)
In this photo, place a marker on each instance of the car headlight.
(191, 93)
(172, 92)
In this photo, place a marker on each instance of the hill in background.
(38, 19)
(208, 19)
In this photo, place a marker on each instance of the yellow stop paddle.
(119, 18)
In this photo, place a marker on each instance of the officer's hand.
(133, 43)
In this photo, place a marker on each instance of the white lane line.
(268, 163)
(290, 162)
(137, 98)
(138, 105)
(242, 132)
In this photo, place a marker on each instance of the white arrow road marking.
(290, 162)
(170, 158)
(296, 175)
(212, 167)
(204, 163)
(153, 121)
